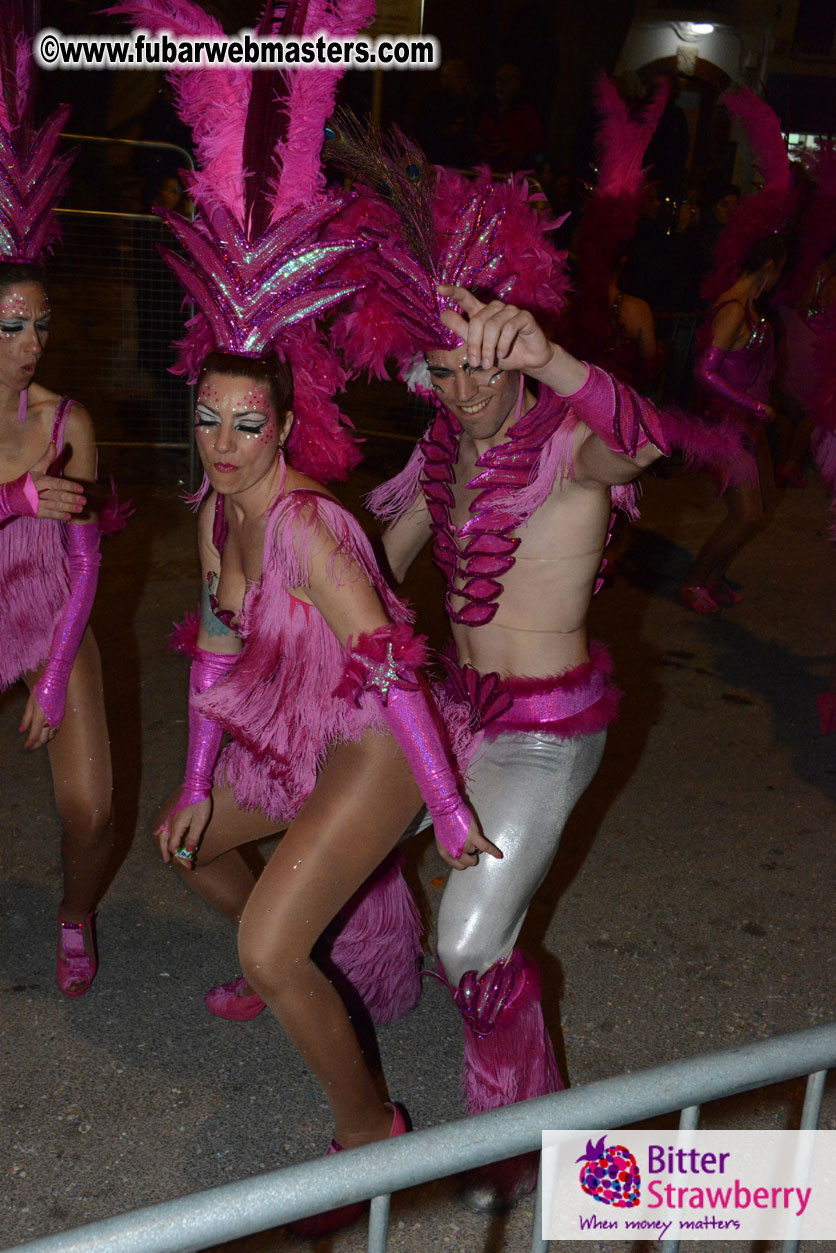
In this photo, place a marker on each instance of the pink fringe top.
(277, 701)
(34, 580)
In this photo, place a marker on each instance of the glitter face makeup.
(481, 400)
(236, 430)
(24, 328)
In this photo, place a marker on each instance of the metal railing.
(204, 1219)
(117, 307)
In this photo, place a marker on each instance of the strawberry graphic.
(610, 1175)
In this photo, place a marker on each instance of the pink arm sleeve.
(619, 416)
(384, 663)
(19, 498)
(83, 560)
(708, 373)
(204, 735)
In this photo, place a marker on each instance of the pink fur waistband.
(581, 701)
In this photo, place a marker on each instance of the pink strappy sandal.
(226, 1001)
(698, 599)
(75, 967)
(723, 593)
(336, 1219)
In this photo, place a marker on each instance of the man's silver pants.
(523, 787)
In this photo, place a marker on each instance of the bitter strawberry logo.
(610, 1175)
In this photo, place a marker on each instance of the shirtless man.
(521, 546)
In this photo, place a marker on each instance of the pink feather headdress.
(612, 214)
(32, 178)
(817, 227)
(760, 214)
(262, 258)
(432, 225)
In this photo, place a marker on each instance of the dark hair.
(773, 247)
(720, 193)
(15, 273)
(272, 373)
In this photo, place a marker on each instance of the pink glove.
(19, 499)
(708, 373)
(83, 561)
(204, 735)
(384, 663)
(620, 417)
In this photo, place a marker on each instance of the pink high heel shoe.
(226, 1001)
(826, 706)
(696, 597)
(723, 593)
(75, 968)
(335, 1219)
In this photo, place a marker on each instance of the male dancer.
(514, 481)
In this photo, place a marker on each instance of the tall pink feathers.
(760, 214)
(623, 137)
(32, 177)
(263, 262)
(612, 214)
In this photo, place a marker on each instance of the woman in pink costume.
(735, 371)
(737, 360)
(803, 299)
(49, 538)
(303, 656)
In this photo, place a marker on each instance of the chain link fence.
(116, 312)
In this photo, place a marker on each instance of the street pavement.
(690, 908)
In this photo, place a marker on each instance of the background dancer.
(49, 534)
(806, 293)
(737, 360)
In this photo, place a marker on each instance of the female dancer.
(298, 652)
(735, 370)
(737, 359)
(303, 655)
(49, 538)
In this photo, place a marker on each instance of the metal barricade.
(193, 1223)
(116, 312)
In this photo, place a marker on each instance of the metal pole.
(379, 1224)
(234, 1210)
(538, 1244)
(688, 1120)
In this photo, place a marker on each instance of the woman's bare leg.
(364, 798)
(79, 757)
(747, 507)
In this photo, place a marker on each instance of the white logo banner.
(689, 1185)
